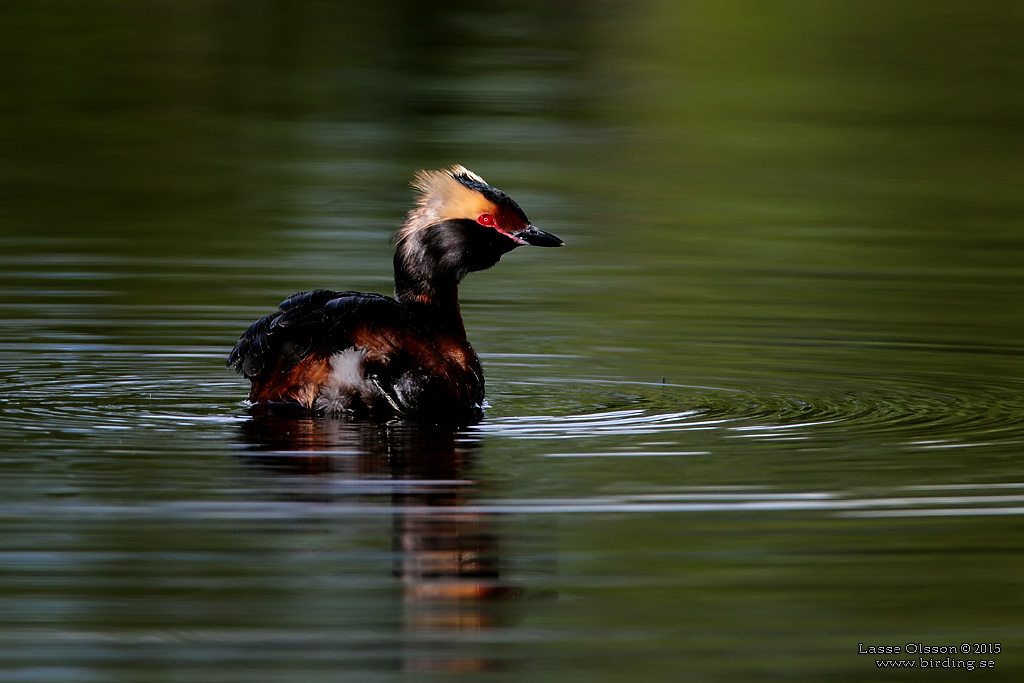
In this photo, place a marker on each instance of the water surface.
(764, 406)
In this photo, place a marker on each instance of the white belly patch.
(345, 382)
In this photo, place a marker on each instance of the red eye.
(485, 219)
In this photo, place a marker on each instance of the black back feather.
(320, 320)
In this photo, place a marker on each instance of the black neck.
(434, 298)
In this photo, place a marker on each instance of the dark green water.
(766, 405)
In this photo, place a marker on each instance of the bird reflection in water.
(446, 558)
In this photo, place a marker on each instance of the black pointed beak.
(537, 237)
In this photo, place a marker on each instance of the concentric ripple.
(105, 394)
(907, 413)
(95, 390)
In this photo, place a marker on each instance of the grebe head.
(459, 225)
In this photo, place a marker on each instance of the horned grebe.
(336, 352)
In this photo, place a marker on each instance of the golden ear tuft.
(425, 182)
(443, 183)
(444, 195)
